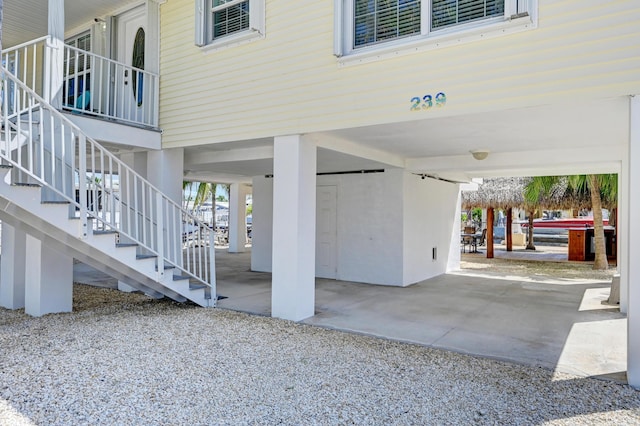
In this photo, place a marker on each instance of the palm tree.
(204, 191)
(539, 189)
(599, 187)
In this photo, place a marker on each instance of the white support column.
(238, 217)
(633, 268)
(48, 279)
(165, 170)
(622, 239)
(294, 228)
(12, 268)
(138, 162)
(55, 71)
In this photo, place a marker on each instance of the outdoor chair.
(483, 237)
(467, 240)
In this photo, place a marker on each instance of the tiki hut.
(497, 193)
(508, 193)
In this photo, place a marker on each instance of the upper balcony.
(91, 84)
(101, 75)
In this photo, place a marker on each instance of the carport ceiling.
(572, 127)
(546, 127)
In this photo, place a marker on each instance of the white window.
(374, 25)
(224, 22)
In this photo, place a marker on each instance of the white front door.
(326, 231)
(131, 44)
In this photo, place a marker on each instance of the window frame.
(204, 24)
(513, 20)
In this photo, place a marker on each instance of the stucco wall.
(290, 82)
(429, 217)
(369, 226)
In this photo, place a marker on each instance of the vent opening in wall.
(434, 253)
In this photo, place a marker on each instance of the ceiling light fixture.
(479, 154)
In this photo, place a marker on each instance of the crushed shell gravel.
(125, 359)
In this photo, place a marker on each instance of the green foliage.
(476, 214)
(204, 192)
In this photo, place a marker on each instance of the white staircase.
(60, 186)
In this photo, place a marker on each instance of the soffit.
(25, 20)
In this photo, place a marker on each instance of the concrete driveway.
(559, 324)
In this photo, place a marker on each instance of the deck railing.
(91, 85)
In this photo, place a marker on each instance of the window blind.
(445, 13)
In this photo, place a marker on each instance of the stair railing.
(92, 84)
(102, 191)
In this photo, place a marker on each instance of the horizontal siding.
(290, 82)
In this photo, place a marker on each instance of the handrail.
(91, 84)
(115, 90)
(73, 167)
(25, 44)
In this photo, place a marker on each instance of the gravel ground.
(534, 268)
(128, 360)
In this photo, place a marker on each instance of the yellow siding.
(290, 82)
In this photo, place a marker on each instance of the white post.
(54, 70)
(633, 268)
(48, 279)
(212, 268)
(622, 230)
(82, 184)
(152, 59)
(238, 217)
(12, 268)
(294, 228)
(160, 235)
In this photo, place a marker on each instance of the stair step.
(54, 202)
(193, 286)
(104, 232)
(166, 266)
(119, 245)
(27, 185)
(6, 166)
(146, 256)
(181, 277)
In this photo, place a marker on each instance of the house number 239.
(427, 102)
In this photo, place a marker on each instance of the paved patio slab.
(557, 324)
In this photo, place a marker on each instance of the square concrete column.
(631, 258)
(294, 228)
(55, 57)
(48, 279)
(238, 217)
(12, 269)
(165, 170)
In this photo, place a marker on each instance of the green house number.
(427, 102)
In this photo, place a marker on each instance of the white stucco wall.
(369, 222)
(429, 217)
(371, 237)
(262, 222)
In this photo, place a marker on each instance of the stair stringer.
(20, 206)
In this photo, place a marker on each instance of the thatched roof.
(499, 193)
(502, 193)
